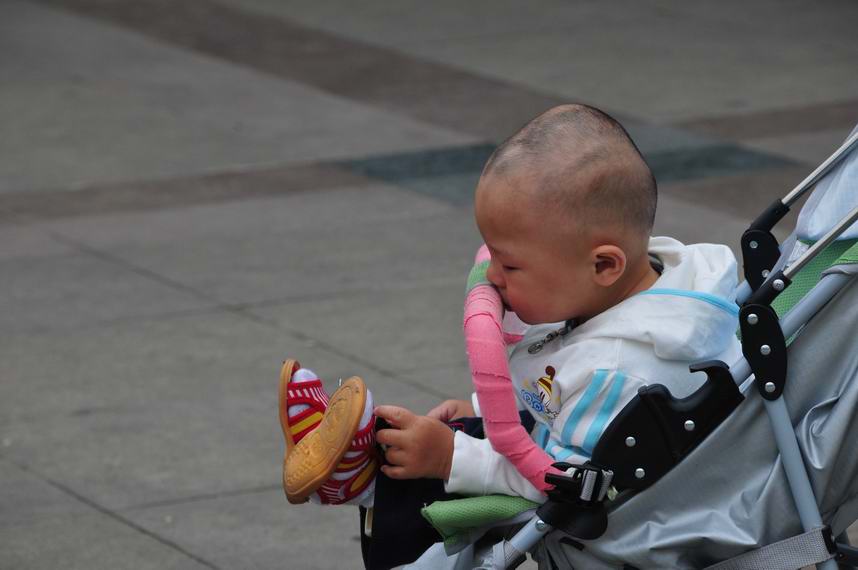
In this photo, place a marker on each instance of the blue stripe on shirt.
(583, 404)
(600, 421)
(561, 453)
(713, 300)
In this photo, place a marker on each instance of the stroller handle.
(821, 171)
(820, 245)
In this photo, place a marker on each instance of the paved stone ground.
(191, 191)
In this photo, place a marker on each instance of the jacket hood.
(689, 313)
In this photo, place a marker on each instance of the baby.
(565, 207)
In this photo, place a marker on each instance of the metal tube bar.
(821, 171)
(530, 534)
(743, 292)
(799, 483)
(826, 240)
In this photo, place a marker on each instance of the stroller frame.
(764, 362)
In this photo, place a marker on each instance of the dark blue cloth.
(400, 534)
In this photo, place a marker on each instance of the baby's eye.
(509, 268)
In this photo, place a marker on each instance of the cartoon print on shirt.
(545, 398)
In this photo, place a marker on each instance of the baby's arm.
(477, 469)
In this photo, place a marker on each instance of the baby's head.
(566, 206)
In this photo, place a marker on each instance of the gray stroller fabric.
(731, 494)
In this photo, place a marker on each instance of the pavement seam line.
(116, 516)
(203, 497)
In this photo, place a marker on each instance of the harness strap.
(806, 549)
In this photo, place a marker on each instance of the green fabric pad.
(478, 275)
(810, 274)
(453, 519)
(850, 256)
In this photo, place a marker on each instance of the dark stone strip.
(706, 162)
(451, 174)
(447, 174)
(432, 92)
(184, 191)
(425, 163)
(797, 120)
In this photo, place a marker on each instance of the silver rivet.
(778, 285)
(770, 387)
(753, 319)
(753, 245)
(541, 525)
(630, 441)
(765, 350)
(765, 273)
(640, 473)
(689, 425)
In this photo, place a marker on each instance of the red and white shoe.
(330, 442)
(307, 399)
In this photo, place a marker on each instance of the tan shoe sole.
(313, 459)
(286, 372)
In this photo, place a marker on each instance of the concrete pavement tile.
(260, 531)
(20, 240)
(399, 329)
(690, 223)
(25, 498)
(810, 148)
(87, 542)
(281, 263)
(453, 379)
(176, 192)
(778, 122)
(65, 291)
(435, 93)
(124, 107)
(742, 196)
(406, 22)
(561, 51)
(688, 84)
(304, 215)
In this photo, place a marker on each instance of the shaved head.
(580, 163)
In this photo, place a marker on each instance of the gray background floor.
(192, 191)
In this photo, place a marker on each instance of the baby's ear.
(609, 263)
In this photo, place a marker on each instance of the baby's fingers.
(394, 471)
(392, 437)
(396, 416)
(442, 411)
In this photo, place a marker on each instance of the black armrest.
(654, 431)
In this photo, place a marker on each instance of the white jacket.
(578, 382)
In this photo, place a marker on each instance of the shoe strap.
(310, 393)
(337, 491)
(364, 438)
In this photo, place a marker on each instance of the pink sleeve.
(487, 357)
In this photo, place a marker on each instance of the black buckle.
(575, 504)
(586, 485)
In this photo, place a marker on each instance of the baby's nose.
(495, 275)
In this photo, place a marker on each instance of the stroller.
(705, 481)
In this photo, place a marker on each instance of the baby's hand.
(418, 446)
(452, 409)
